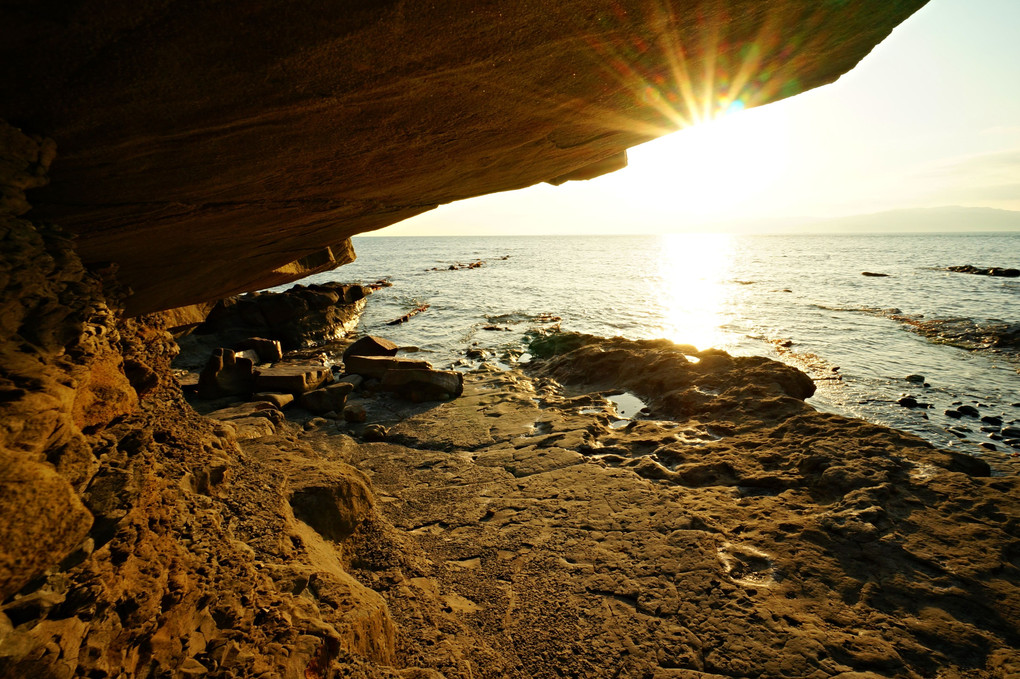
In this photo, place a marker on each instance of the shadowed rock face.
(209, 149)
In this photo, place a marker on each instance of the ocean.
(800, 299)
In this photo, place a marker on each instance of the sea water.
(799, 299)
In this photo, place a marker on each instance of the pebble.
(992, 419)
(955, 414)
(916, 379)
(1011, 432)
(908, 402)
(988, 446)
(970, 411)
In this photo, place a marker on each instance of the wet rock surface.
(965, 333)
(998, 271)
(805, 545)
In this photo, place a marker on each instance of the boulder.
(292, 379)
(377, 366)
(298, 318)
(424, 385)
(227, 373)
(329, 399)
(370, 345)
(269, 351)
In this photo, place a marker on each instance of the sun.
(713, 169)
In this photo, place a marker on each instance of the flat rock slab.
(424, 385)
(377, 366)
(291, 379)
(818, 546)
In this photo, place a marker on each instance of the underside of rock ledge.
(209, 149)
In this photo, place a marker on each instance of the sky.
(930, 118)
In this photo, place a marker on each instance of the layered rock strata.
(213, 149)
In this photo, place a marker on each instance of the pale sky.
(930, 118)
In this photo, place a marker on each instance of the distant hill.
(910, 220)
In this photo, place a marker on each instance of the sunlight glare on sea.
(694, 270)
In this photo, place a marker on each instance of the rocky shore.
(523, 524)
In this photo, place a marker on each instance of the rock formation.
(210, 149)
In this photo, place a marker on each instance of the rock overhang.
(212, 149)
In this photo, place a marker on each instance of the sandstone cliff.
(212, 149)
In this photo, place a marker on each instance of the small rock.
(874, 275)
(993, 420)
(955, 414)
(969, 411)
(374, 432)
(988, 446)
(1012, 443)
(1011, 432)
(908, 402)
(316, 422)
(355, 413)
(916, 379)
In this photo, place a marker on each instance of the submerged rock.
(990, 271)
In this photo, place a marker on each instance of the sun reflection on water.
(697, 297)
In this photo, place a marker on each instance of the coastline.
(524, 528)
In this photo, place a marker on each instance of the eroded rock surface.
(810, 545)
